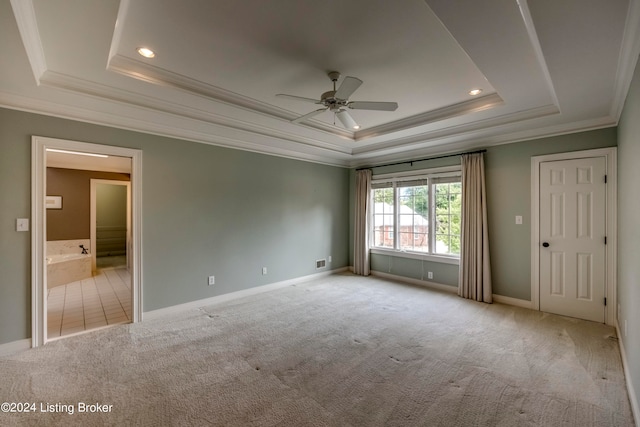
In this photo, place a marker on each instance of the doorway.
(110, 223)
(573, 234)
(80, 157)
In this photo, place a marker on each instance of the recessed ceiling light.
(146, 52)
(474, 92)
(356, 127)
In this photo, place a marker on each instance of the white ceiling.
(546, 67)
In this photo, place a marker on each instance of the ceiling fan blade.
(371, 105)
(347, 120)
(348, 86)
(309, 115)
(298, 98)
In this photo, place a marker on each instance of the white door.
(572, 237)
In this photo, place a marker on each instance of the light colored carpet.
(339, 351)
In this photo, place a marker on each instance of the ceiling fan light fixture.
(475, 92)
(146, 52)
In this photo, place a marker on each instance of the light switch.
(519, 219)
(22, 224)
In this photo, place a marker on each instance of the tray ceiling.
(544, 69)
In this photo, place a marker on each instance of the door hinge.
(605, 240)
(605, 179)
(605, 301)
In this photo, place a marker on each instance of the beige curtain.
(475, 270)
(361, 235)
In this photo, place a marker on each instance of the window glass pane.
(383, 217)
(413, 218)
(448, 205)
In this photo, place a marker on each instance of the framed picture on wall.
(53, 202)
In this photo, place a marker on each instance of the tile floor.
(104, 299)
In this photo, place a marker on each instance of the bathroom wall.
(73, 220)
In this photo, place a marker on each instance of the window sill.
(416, 255)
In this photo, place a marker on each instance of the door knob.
(545, 244)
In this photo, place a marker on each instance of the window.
(417, 214)
(383, 225)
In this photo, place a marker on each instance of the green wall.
(629, 232)
(508, 181)
(206, 211)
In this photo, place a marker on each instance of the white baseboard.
(452, 289)
(161, 312)
(501, 299)
(633, 398)
(418, 282)
(15, 347)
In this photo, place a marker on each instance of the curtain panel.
(475, 269)
(361, 263)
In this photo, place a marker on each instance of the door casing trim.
(610, 155)
(39, 146)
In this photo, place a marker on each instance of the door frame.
(93, 214)
(609, 154)
(39, 145)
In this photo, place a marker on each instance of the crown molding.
(159, 76)
(473, 141)
(535, 43)
(273, 146)
(25, 15)
(466, 107)
(431, 136)
(139, 70)
(628, 59)
(111, 94)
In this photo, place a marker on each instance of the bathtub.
(67, 268)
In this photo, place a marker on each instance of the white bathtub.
(67, 268)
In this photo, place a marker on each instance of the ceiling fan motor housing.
(329, 100)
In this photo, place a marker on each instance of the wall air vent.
(321, 263)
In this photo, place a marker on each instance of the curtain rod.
(411, 162)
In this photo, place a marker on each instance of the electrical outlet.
(264, 270)
(212, 280)
(519, 219)
(329, 259)
(430, 275)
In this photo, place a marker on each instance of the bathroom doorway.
(110, 224)
(74, 291)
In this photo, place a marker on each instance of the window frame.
(432, 177)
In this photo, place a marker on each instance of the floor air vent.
(321, 263)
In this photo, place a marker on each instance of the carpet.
(343, 350)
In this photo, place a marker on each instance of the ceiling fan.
(337, 101)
